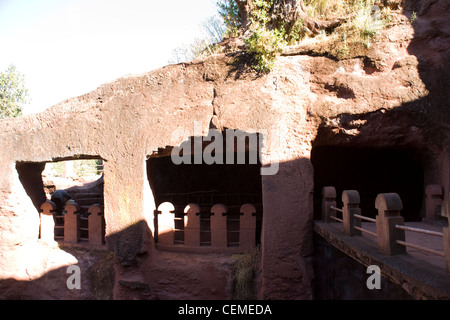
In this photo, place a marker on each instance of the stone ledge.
(418, 278)
(206, 249)
(83, 245)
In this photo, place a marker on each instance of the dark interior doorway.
(370, 171)
(205, 185)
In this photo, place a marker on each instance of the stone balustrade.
(72, 224)
(47, 227)
(390, 225)
(196, 226)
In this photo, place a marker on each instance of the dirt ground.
(178, 276)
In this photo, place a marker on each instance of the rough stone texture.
(47, 276)
(340, 277)
(165, 275)
(393, 96)
(419, 280)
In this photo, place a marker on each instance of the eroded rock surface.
(394, 95)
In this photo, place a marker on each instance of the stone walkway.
(422, 275)
(424, 240)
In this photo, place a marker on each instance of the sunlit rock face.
(393, 97)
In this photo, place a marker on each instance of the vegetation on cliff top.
(268, 26)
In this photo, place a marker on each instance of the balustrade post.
(166, 224)
(218, 226)
(192, 225)
(433, 201)
(96, 224)
(328, 200)
(446, 233)
(389, 206)
(48, 209)
(351, 201)
(72, 222)
(247, 227)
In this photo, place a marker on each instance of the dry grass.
(244, 269)
(367, 17)
(329, 9)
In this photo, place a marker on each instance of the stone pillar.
(68, 169)
(433, 201)
(389, 206)
(72, 222)
(125, 181)
(47, 221)
(446, 231)
(218, 226)
(96, 224)
(192, 225)
(247, 227)
(166, 224)
(351, 201)
(328, 199)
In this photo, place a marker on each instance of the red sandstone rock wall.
(401, 100)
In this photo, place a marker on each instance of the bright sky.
(66, 48)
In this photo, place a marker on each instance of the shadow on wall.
(402, 149)
(96, 274)
(431, 46)
(131, 247)
(30, 175)
(287, 228)
(287, 235)
(130, 243)
(125, 273)
(287, 199)
(94, 281)
(337, 275)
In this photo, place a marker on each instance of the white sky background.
(66, 48)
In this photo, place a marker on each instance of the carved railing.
(390, 226)
(72, 225)
(207, 230)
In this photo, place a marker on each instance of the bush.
(265, 45)
(359, 21)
